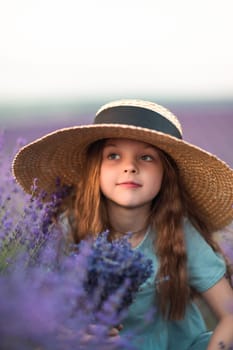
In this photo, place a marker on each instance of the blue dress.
(205, 268)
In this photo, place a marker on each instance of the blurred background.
(60, 60)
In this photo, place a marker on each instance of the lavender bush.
(56, 298)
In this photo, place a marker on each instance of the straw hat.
(61, 153)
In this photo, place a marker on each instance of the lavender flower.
(50, 309)
(113, 264)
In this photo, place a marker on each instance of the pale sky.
(90, 48)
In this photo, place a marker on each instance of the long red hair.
(88, 216)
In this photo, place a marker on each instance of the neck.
(128, 220)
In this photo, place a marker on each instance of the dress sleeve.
(205, 267)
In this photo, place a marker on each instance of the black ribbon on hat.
(137, 116)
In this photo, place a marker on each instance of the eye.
(147, 158)
(113, 156)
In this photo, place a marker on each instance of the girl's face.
(131, 173)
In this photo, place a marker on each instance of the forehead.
(121, 142)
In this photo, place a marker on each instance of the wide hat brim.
(208, 180)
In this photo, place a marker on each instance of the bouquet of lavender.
(49, 297)
(113, 264)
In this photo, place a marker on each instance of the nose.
(130, 171)
(130, 167)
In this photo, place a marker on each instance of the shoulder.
(195, 242)
(205, 267)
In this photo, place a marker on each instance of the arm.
(220, 299)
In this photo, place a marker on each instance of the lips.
(129, 184)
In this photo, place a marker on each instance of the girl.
(132, 172)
